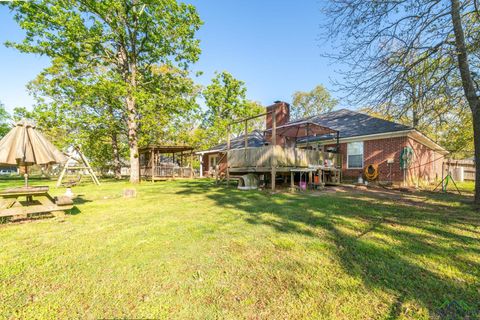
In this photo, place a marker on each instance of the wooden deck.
(262, 159)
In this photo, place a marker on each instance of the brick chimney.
(282, 110)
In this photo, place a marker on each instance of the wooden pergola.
(151, 164)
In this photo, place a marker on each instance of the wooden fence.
(468, 167)
(261, 157)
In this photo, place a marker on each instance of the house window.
(355, 155)
(213, 159)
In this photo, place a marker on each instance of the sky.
(271, 45)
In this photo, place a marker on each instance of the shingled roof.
(352, 124)
(349, 124)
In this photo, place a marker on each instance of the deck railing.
(284, 157)
(162, 170)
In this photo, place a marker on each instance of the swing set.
(76, 162)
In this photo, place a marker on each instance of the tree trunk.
(476, 143)
(116, 157)
(468, 88)
(133, 139)
(133, 125)
(415, 119)
(128, 68)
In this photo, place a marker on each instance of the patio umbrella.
(25, 146)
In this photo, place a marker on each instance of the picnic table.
(24, 201)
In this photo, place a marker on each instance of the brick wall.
(377, 152)
(206, 163)
(426, 165)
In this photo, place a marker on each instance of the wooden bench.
(37, 201)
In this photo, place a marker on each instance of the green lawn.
(192, 250)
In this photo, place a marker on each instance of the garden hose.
(371, 172)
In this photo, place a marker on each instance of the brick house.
(362, 140)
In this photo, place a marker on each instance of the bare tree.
(409, 49)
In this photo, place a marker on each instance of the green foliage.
(448, 124)
(316, 101)
(169, 108)
(116, 45)
(4, 121)
(226, 100)
(81, 107)
(97, 31)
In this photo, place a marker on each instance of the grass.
(192, 250)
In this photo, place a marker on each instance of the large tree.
(170, 108)
(384, 43)
(82, 106)
(316, 101)
(442, 116)
(127, 37)
(226, 100)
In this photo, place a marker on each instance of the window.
(213, 161)
(355, 155)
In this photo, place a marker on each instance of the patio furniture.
(330, 175)
(327, 175)
(37, 201)
(26, 146)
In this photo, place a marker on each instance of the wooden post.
(191, 164)
(228, 150)
(292, 183)
(246, 140)
(87, 164)
(181, 172)
(65, 167)
(274, 143)
(152, 161)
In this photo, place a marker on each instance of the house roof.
(351, 124)
(348, 123)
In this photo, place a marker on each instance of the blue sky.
(272, 45)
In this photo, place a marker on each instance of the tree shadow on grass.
(79, 199)
(383, 243)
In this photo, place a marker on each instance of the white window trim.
(363, 156)
(210, 157)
